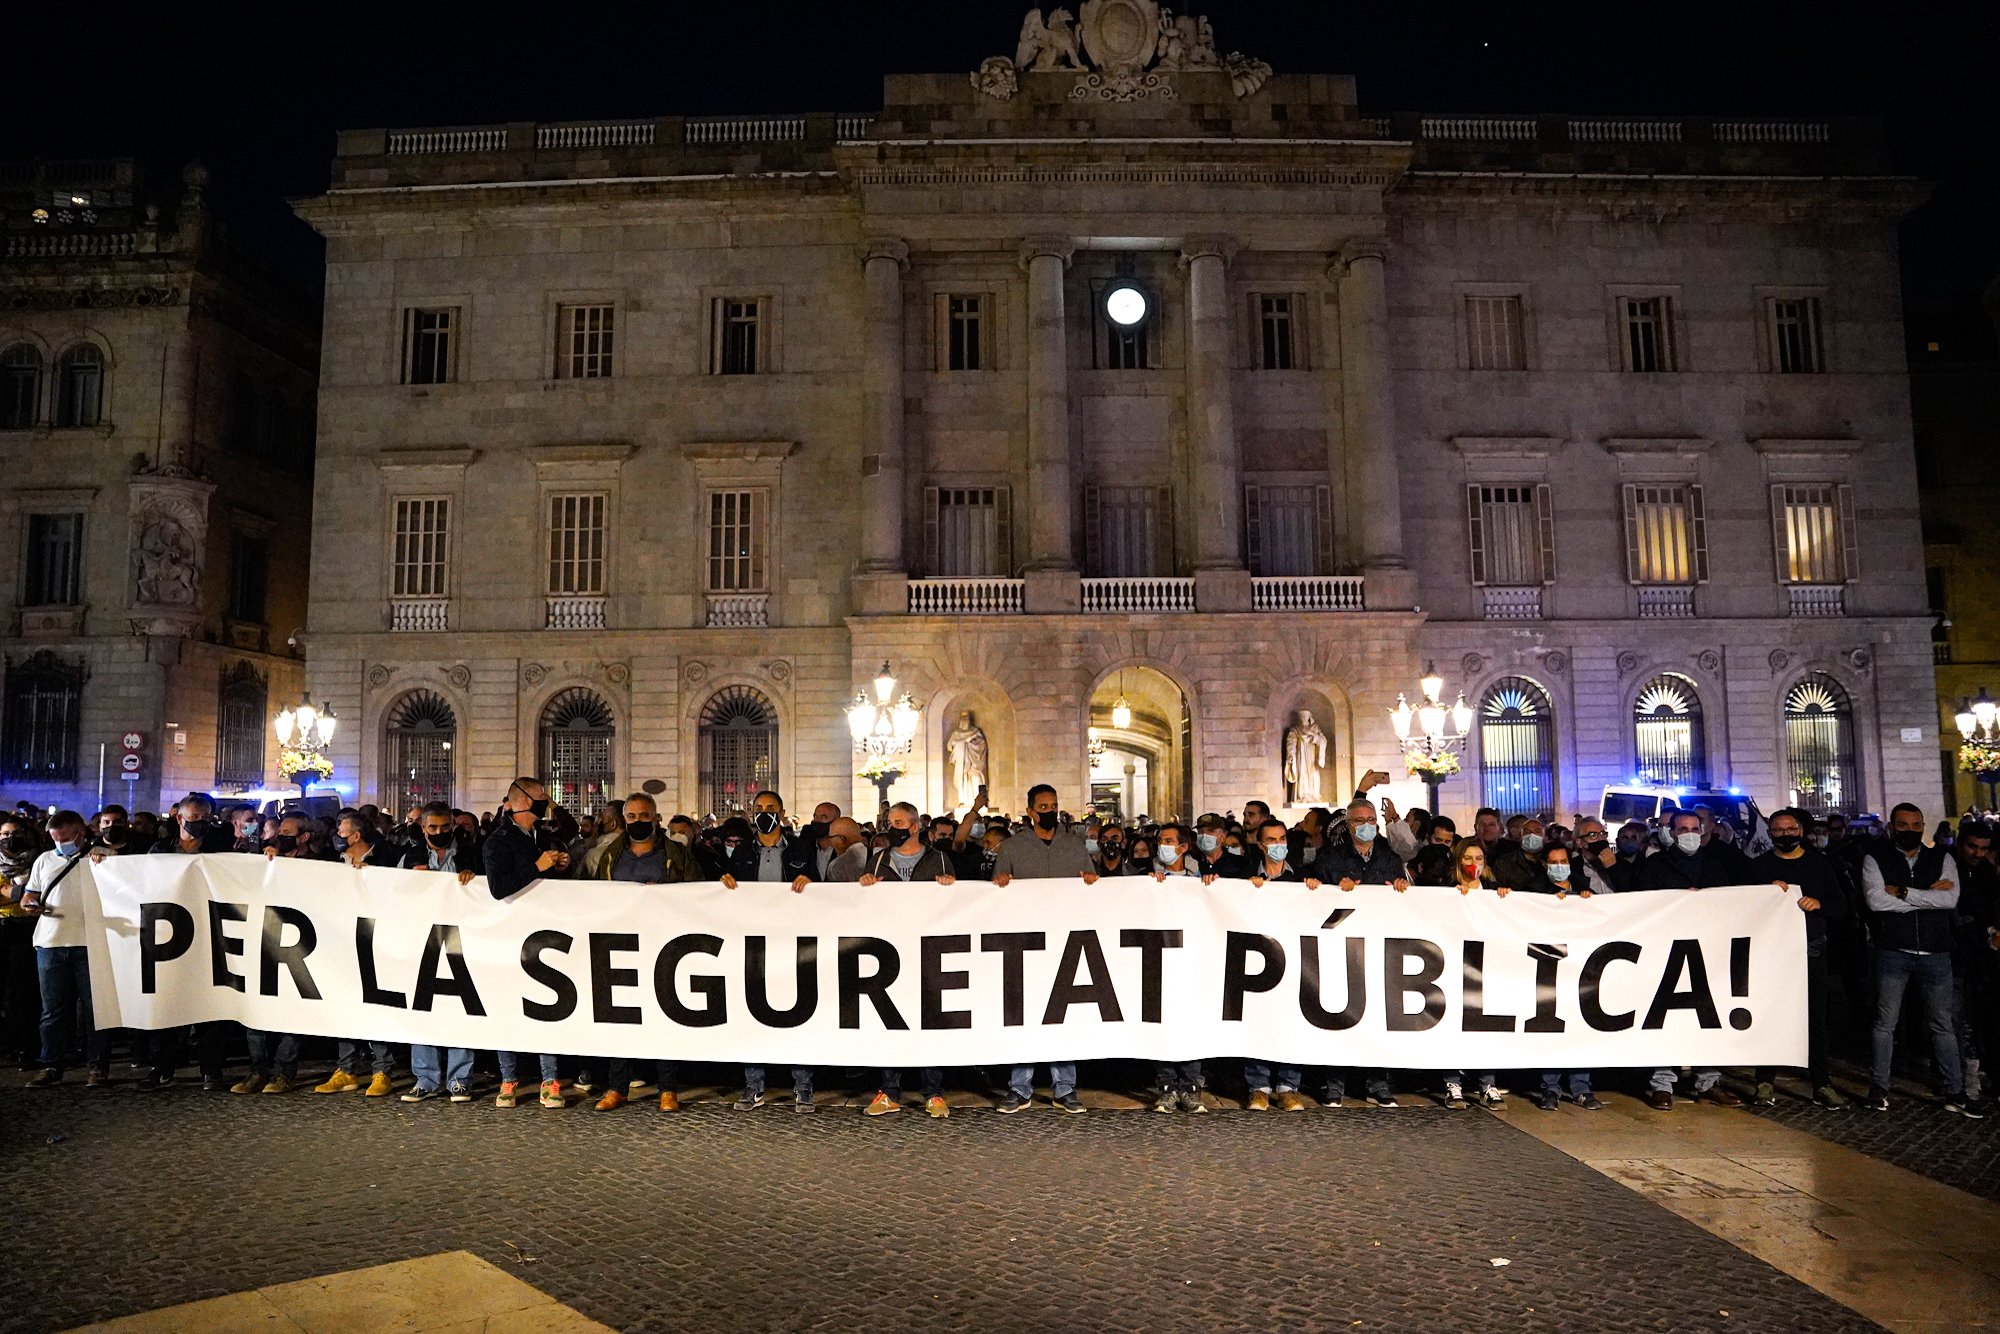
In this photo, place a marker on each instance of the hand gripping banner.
(963, 974)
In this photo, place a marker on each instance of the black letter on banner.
(1592, 977)
(1237, 948)
(1696, 997)
(1011, 946)
(1082, 948)
(853, 986)
(1548, 958)
(1309, 989)
(292, 956)
(604, 979)
(564, 1004)
(936, 981)
(715, 1010)
(1396, 985)
(444, 942)
(364, 958)
(757, 991)
(180, 935)
(221, 945)
(1475, 1019)
(1152, 943)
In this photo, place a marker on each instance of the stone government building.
(643, 444)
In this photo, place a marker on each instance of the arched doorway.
(739, 749)
(576, 735)
(1819, 745)
(1517, 747)
(1667, 735)
(418, 762)
(1141, 746)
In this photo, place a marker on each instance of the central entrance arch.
(1142, 746)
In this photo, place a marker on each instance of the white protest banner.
(962, 974)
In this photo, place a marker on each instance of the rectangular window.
(736, 541)
(1278, 333)
(1493, 334)
(738, 336)
(1127, 349)
(1512, 533)
(430, 345)
(583, 342)
(249, 578)
(576, 545)
(968, 532)
(420, 560)
(1795, 346)
(1814, 533)
(42, 723)
(1288, 529)
(1666, 537)
(963, 331)
(55, 561)
(1646, 331)
(1128, 531)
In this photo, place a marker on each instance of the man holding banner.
(57, 890)
(517, 853)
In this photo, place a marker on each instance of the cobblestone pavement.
(717, 1220)
(1915, 1134)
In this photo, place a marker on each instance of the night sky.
(259, 92)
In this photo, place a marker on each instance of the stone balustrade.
(1666, 602)
(1479, 127)
(744, 130)
(1138, 595)
(1330, 592)
(609, 134)
(418, 614)
(739, 611)
(489, 139)
(1600, 130)
(1513, 604)
(965, 597)
(576, 613)
(1818, 599)
(63, 245)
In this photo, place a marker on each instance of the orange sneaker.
(509, 1096)
(938, 1108)
(610, 1102)
(881, 1105)
(552, 1093)
(669, 1101)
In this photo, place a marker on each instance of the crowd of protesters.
(1883, 909)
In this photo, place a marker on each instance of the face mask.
(1142, 863)
(1206, 842)
(1531, 842)
(1366, 831)
(641, 831)
(731, 844)
(978, 830)
(1557, 873)
(1469, 871)
(285, 843)
(1090, 845)
(540, 807)
(1689, 843)
(1170, 853)
(1786, 842)
(69, 849)
(1907, 840)
(439, 840)
(1047, 819)
(1114, 848)
(20, 843)
(1819, 840)
(1275, 853)
(765, 822)
(902, 833)
(681, 839)
(1596, 845)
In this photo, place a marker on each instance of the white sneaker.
(1454, 1096)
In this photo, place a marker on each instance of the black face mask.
(1141, 863)
(20, 843)
(641, 831)
(439, 840)
(1907, 840)
(285, 843)
(765, 822)
(540, 806)
(1046, 819)
(1786, 842)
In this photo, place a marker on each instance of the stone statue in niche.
(1050, 45)
(1305, 757)
(165, 563)
(966, 749)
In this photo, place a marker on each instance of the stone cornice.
(1656, 446)
(737, 451)
(442, 456)
(1506, 446)
(1774, 446)
(1661, 194)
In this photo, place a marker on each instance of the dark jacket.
(510, 855)
(799, 860)
(217, 837)
(381, 853)
(464, 846)
(931, 864)
(1710, 867)
(1817, 878)
(681, 867)
(1343, 861)
(1928, 930)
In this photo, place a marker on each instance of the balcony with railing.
(1138, 595)
(418, 614)
(1666, 602)
(1331, 592)
(739, 611)
(1817, 599)
(1514, 604)
(572, 612)
(965, 597)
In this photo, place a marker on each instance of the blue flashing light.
(1735, 791)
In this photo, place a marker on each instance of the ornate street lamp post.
(1979, 741)
(882, 731)
(1431, 752)
(304, 732)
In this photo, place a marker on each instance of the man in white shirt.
(56, 888)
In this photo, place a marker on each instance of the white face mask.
(1170, 853)
(681, 839)
(1689, 843)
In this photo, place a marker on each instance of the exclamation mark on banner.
(1739, 980)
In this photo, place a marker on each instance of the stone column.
(881, 580)
(177, 402)
(1214, 481)
(1369, 421)
(1051, 582)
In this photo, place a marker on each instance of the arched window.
(1667, 733)
(80, 389)
(1517, 747)
(240, 724)
(20, 387)
(418, 763)
(43, 722)
(1819, 745)
(739, 749)
(576, 751)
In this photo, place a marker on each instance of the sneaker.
(250, 1083)
(97, 1079)
(803, 1104)
(48, 1079)
(420, 1093)
(1962, 1106)
(635, 1084)
(670, 1101)
(1765, 1096)
(1383, 1100)
(1010, 1104)
(882, 1105)
(611, 1101)
(583, 1086)
(379, 1085)
(552, 1093)
(1291, 1100)
(460, 1093)
(1454, 1098)
(1191, 1102)
(1258, 1101)
(1831, 1098)
(1876, 1101)
(1492, 1097)
(156, 1081)
(214, 1084)
(1548, 1100)
(338, 1082)
(937, 1108)
(1167, 1102)
(750, 1102)
(281, 1084)
(1068, 1105)
(1589, 1103)
(1335, 1097)
(509, 1095)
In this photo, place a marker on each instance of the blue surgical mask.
(1090, 846)
(1531, 842)
(978, 830)
(1206, 842)
(1689, 843)
(1557, 872)
(1170, 853)
(1366, 831)
(69, 849)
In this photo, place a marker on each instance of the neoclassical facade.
(1132, 399)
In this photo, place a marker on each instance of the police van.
(1646, 803)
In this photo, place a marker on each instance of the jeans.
(1257, 1077)
(1375, 1081)
(892, 1082)
(1183, 1077)
(1819, 996)
(425, 1063)
(510, 1066)
(64, 972)
(380, 1059)
(1062, 1080)
(624, 1071)
(285, 1057)
(1579, 1083)
(1663, 1080)
(802, 1081)
(1487, 1079)
(1893, 971)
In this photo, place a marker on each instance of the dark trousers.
(20, 989)
(1819, 996)
(211, 1042)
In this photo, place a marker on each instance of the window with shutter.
(966, 532)
(1646, 332)
(1505, 528)
(1284, 528)
(1493, 333)
(1129, 531)
(1814, 533)
(1665, 535)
